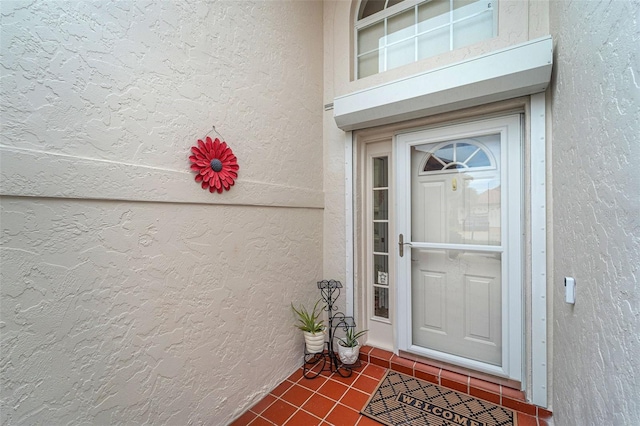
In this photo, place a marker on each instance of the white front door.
(459, 267)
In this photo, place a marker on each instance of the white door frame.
(536, 380)
(512, 240)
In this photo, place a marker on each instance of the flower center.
(216, 165)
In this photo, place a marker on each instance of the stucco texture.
(129, 295)
(596, 212)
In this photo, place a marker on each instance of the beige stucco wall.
(128, 294)
(596, 211)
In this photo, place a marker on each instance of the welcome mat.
(405, 400)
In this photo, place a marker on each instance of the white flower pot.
(314, 342)
(347, 355)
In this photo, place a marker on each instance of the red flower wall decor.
(215, 165)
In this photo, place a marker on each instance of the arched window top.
(370, 7)
(392, 33)
(459, 155)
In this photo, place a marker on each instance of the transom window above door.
(392, 33)
(462, 154)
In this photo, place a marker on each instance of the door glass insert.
(457, 192)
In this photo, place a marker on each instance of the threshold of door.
(495, 390)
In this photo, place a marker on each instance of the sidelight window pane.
(380, 237)
(380, 204)
(381, 269)
(381, 302)
(380, 172)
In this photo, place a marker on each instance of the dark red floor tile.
(483, 394)
(484, 385)
(366, 384)
(343, 416)
(313, 384)
(525, 420)
(520, 406)
(332, 389)
(452, 384)
(513, 393)
(281, 388)
(354, 399)
(380, 362)
(544, 414)
(374, 371)
(296, 375)
(381, 354)
(296, 395)
(345, 380)
(455, 377)
(260, 421)
(263, 404)
(543, 422)
(302, 418)
(278, 412)
(402, 365)
(427, 377)
(318, 405)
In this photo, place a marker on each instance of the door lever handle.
(401, 245)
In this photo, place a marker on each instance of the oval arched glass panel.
(433, 164)
(459, 200)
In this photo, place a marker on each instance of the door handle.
(401, 245)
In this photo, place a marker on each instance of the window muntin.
(396, 33)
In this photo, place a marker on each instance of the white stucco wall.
(596, 213)
(128, 294)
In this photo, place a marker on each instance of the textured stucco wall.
(128, 294)
(596, 213)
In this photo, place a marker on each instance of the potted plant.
(312, 326)
(349, 347)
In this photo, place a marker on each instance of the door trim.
(538, 230)
(538, 319)
(512, 295)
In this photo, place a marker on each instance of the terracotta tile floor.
(328, 399)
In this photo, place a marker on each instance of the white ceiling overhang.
(515, 71)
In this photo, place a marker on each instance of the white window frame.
(387, 13)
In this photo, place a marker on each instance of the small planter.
(348, 355)
(314, 342)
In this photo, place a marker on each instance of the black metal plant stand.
(315, 364)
